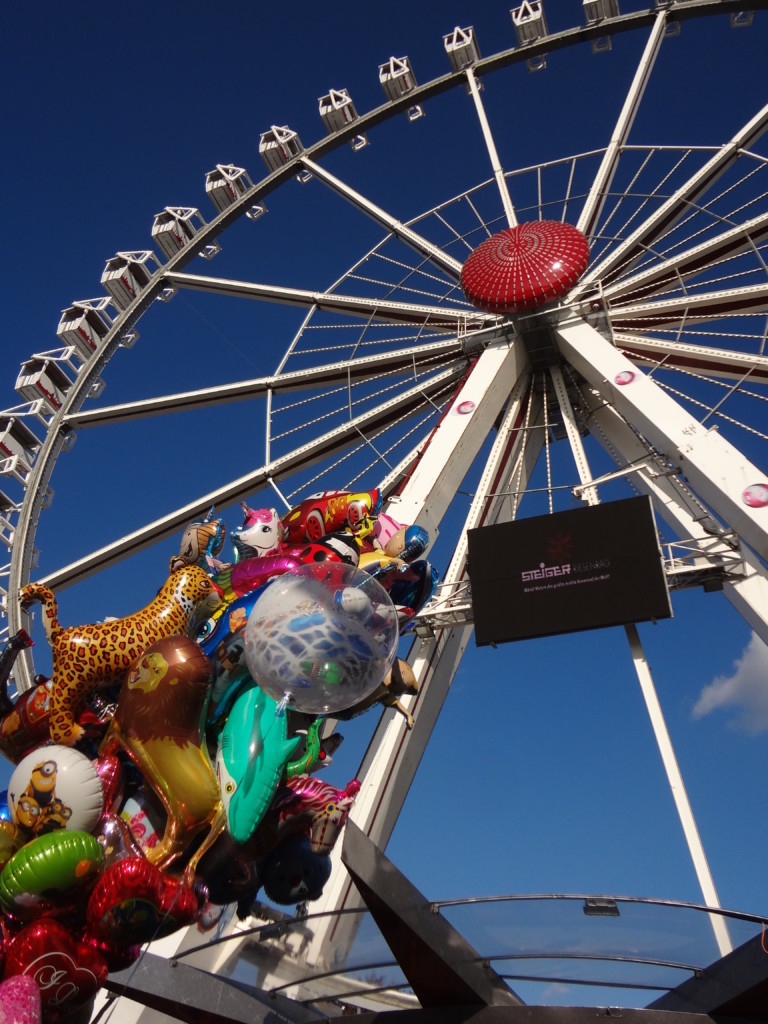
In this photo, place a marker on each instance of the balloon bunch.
(165, 769)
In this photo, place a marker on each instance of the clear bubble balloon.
(321, 638)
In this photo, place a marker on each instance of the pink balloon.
(112, 776)
(20, 1001)
(254, 572)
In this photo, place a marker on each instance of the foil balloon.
(145, 817)
(68, 974)
(25, 726)
(261, 533)
(11, 840)
(223, 642)
(325, 808)
(243, 577)
(201, 542)
(230, 869)
(328, 512)
(103, 651)
(252, 754)
(293, 874)
(117, 840)
(46, 876)
(400, 681)
(134, 902)
(116, 956)
(20, 1001)
(409, 585)
(112, 776)
(55, 787)
(158, 724)
(321, 638)
(334, 547)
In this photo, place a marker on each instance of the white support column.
(588, 494)
(749, 593)
(716, 470)
(498, 173)
(394, 754)
(677, 787)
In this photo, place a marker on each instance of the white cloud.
(745, 691)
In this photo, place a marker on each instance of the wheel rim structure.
(394, 379)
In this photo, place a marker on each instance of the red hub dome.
(524, 267)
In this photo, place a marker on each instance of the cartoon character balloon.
(321, 638)
(158, 725)
(55, 787)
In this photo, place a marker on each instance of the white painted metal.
(747, 591)
(716, 470)
(351, 305)
(717, 362)
(713, 467)
(447, 263)
(238, 490)
(393, 755)
(644, 237)
(498, 172)
(461, 47)
(677, 268)
(677, 786)
(598, 193)
(425, 355)
(587, 493)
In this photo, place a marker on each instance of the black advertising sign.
(590, 567)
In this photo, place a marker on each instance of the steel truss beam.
(500, 382)
(717, 471)
(748, 593)
(715, 362)
(348, 305)
(673, 271)
(598, 193)
(421, 359)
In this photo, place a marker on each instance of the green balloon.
(44, 874)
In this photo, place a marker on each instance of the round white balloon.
(55, 787)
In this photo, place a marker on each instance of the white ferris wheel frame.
(497, 383)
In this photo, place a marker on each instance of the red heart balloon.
(134, 902)
(68, 973)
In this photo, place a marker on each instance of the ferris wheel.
(572, 328)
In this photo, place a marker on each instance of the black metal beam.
(197, 997)
(536, 1015)
(735, 986)
(440, 965)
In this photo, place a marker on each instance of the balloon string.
(112, 1002)
(762, 939)
(284, 702)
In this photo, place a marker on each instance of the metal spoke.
(349, 305)
(651, 230)
(421, 358)
(593, 207)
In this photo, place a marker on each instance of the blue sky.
(542, 774)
